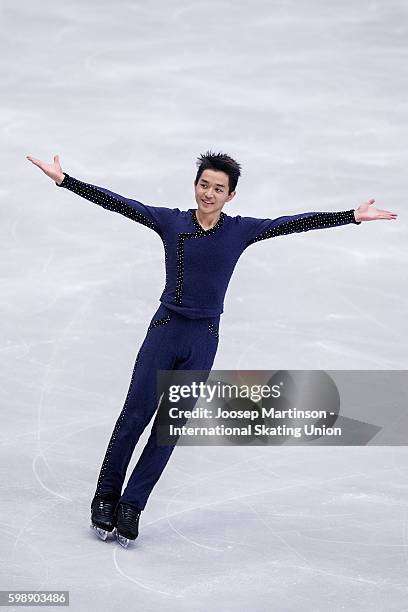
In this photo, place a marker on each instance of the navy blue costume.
(184, 331)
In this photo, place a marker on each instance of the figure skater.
(202, 246)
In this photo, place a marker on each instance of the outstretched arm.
(150, 216)
(146, 215)
(261, 229)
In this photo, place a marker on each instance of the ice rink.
(311, 98)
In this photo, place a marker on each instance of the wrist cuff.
(353, 217)
(64, 181)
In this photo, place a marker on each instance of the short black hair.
(219, 161)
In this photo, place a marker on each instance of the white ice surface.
(311, 98)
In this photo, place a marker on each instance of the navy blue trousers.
(172, 342)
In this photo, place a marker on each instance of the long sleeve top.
(199, 263)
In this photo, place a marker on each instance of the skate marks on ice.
(290, 538)
(139, 583)
(47, 385)
(165, 546)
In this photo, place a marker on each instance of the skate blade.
(101, 533)
(122, 540)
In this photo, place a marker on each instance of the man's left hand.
(367, 212)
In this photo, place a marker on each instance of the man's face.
(211, 191)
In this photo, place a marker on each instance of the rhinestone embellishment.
(115, 432)
(213, 329)
(180, 248)
(158, 322)
(211, 230)
(119, 422)
(92, 193)
(313, 221)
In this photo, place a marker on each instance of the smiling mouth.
(205, 202)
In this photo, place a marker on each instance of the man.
(202, 247)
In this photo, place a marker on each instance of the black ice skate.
(103, 517)
(127, 527)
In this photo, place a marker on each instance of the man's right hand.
(54, 170)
